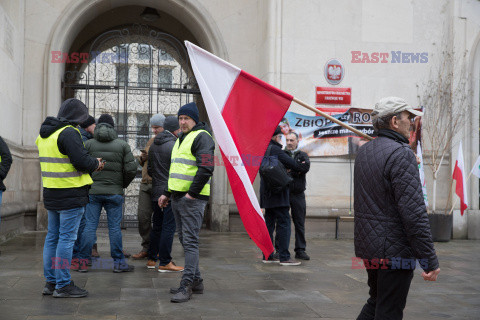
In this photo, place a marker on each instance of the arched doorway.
(85, 20)
(131, 73)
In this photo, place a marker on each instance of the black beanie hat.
(278, 130)
(171, 123)
(88, 123)
(106, 118)
(191, 110)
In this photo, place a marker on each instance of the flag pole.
(456, 198)
(323, 114)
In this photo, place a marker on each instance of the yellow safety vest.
(183, 167)
(57, 170)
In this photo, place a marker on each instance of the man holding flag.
(189, 179)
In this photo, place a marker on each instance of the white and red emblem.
(334, 72)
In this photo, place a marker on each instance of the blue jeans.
(113, 206)
(161, 236)
(77, 245)
(58, 248)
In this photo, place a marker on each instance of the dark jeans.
(161, 237)
(77, 245)
(144, 214)
(388, 294)
(298, 209)
(280, 218)
(113, 206)
(189, 217)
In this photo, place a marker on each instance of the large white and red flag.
(459, 176)
(244, 112)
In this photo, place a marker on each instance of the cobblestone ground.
(237, 284)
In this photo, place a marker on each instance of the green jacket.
(120, 167)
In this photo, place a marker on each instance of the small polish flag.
(459, 176)
(476, 168)
(244, 112)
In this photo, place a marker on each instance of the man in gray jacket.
(163, 228)
(391, 224)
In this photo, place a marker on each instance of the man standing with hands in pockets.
(189, 187)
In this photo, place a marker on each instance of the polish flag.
(459, 176)
(244, 112)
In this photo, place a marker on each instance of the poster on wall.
(320, 137)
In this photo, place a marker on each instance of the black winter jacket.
(120, 166)
(69, 143)
(281, 199)
(5, 164)
(390, 215)
(299, 183)
(159, 158)
(203, 148)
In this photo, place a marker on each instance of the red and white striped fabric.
(459, 176)
(244, 112)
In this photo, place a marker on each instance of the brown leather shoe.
(171, 267)
(95, 252)
(140, 255)
(151, 264)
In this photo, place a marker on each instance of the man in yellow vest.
(66, 167)
(189, 187)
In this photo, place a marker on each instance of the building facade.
(284, 42)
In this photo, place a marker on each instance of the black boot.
(197, 287)
(184, 292)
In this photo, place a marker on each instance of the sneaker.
(151, 264)
(95, 252)
(184, 293)
(197, 287)
(70, 291)
(270, 259)
(290, 263)
(302, 255)
(123, 267)
(48, 289)
(170, 267)
(140, 255)
(276, 255)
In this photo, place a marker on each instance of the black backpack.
(273, 173)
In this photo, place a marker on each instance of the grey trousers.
(189, 217)
(144, 214)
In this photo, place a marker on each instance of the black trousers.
(298, 209)
(278, 220)
(388, 294)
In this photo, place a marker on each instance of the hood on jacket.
(104, 132)
(73, 111)
(50, 125)
(164, 137)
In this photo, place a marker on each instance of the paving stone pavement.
(237, 284)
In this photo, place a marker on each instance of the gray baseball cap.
(391, 105)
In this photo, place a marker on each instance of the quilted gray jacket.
(390, 215)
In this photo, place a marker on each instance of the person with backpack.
(274, 196)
